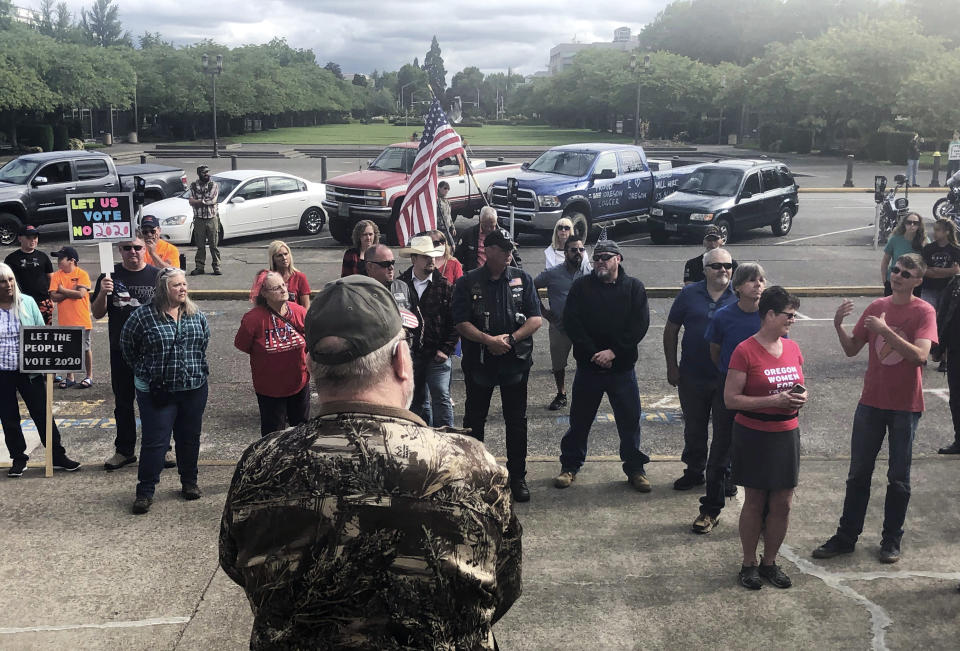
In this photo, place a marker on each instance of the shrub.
(36, 135)
(897, 143)
(61, 137)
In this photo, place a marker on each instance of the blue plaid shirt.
(163, 351)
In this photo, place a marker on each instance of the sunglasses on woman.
(563, 228)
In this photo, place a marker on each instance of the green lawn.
(384, 134)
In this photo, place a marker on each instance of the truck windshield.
(395, 159)
(226, 187)
(568, 163)
(18, 171)
(715, 181)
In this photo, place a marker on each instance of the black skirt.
(765, 460)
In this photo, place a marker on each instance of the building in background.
(561, 56)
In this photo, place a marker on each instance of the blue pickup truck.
(592, 184)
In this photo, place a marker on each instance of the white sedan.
(251, 202)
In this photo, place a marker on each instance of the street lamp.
(723, 86)
(402, 105)
(213, 71)
(647, 69)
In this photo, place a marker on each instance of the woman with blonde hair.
(908, 237)
(365, 234)
(165, 343)
(554, 253)
(450, 268)
(281, 261)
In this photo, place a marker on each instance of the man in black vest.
(496, 312)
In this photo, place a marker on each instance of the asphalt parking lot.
(604, 567)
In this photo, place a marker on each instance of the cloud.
(364, 36)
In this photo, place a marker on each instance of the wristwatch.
(511, 340)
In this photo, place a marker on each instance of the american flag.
(419, 209)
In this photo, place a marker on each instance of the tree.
(152, 39)
(45, 26)
(334, 68)
(102, 25)
(433, 65)
(63, 26)
(359, 80)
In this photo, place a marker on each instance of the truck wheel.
(725, 229)
(312, 221)
(784, 222)
(581, 225)
(659, 237)
(9, 229)
(342, 231)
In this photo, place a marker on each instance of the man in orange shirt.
(160, 253)
(70, 291)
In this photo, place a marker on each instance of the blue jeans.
(870, 425)
(912, 166)
(182, 417)
(431, 391)
(621, 388)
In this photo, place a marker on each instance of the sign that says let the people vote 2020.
(46, 349)
(100, 217)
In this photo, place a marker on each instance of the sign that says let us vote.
(100, 217)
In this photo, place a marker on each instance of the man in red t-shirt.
(899, 330)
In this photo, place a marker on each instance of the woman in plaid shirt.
(165, 343)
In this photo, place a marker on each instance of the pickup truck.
(377, 192)
(592, 184)
(33, 188)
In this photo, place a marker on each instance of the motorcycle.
(890, 208)
(948, 207)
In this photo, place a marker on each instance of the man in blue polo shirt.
(696, 377)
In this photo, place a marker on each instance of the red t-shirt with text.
(298, 286)
(768, 375)
(278, 359)
(891, 382)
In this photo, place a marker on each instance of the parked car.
(377, 192)
(733, 195)
(592, 184)
(33, 188)
(251, 202)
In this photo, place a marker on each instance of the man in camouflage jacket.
(364, 528)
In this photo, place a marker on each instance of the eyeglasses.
(717, 266)
(563, 228)
(578, 249)
(131, 247)
(383, 264)
(912, 222)
(903, 272)
(276, 288)
(604, 257)
(791, 316)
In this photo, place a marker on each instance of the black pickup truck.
(33, 188)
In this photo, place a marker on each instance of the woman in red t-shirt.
(450, 268)
(765, 386)
(281, 261)
(272, 334)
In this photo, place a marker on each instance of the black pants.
(953, 381)
(514, 401)
(34, 397)
(696, 402)
(279, 413)
(124, 395)
(718, 463)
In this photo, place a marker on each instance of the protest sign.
(101, 217)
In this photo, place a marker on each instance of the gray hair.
(161, 298)
(708, 256)
(745, 273)
(356, 375)
(488, 211)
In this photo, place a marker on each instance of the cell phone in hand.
(798, 388)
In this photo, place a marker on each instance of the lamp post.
(213, 71)
(723, 86)
(647, 69)
(402, 105)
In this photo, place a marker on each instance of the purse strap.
(288, 321)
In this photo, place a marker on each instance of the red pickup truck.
(377, 192)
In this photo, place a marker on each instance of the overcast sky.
(364, 35)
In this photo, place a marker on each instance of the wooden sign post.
(50, 350)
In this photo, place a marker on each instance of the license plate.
(667, 226)
(343, 210)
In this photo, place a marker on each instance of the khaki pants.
(204, 231)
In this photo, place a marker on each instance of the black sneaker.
(775, 576)
(889, 552)
(519, 489)
(688, 481)
(196, 272)
(834, 547)
(141, 505)
(66, 463)
(729, 488)
(749, 577)
(17, 468)
(217, 272)
(953, 448)
(190, 492)
(559, 401)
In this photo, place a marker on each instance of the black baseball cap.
(498, 238)
(359, 310)
(29, 229)
(67, 252)
(149, 221)
(607, 246)
(203, 169)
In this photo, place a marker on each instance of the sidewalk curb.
(870, 190)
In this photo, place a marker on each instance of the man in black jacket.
(471, 249)
(606, 316)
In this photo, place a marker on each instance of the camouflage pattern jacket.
(365, 529)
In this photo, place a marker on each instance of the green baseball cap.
(359, 310)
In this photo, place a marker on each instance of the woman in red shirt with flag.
(765, 386)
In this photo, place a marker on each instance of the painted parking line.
(943, 394)
(137, 623)
(811, 237)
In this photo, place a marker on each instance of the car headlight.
(701, 217)
(374, 193)
(176, 220)
(656, 212)
(548, 201)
